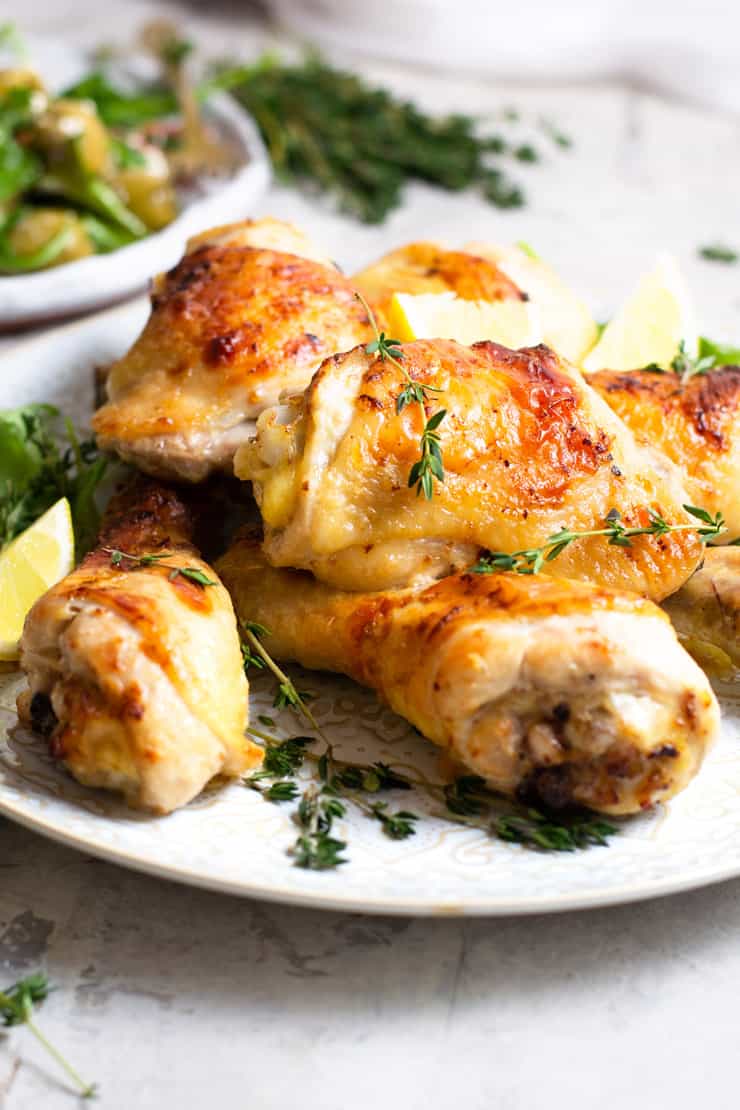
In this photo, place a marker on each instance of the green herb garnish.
(129, 562)
(429, 466)
(17, 1008)
(339, 782)
(532, 560)
(39, 464)
(722, 354)
(716, 252)
(331, 130)
(686, 366)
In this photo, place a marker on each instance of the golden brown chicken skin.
(706, 612)
(696, 423)
(528, 448)
(251, 310)
(430, 268)
(562, 692)
(135, 673)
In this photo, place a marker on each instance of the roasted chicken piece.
(528, 448)
(134, 672)
(696, 423)
(251, 310)
(706, 612)
(560, 692)
(430, 268)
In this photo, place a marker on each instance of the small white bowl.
(101, 279)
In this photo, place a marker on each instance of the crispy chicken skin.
(695, 423)
(135, 678)
(528, 448)
(558, 691)
(706, 612)
(430, 268)
(251, 310)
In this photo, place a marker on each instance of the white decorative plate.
(232, 840)
(103, 278)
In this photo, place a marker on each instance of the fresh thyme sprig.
(288, 695)
(472, 803)
(531, 560)
(17, 1008)
(466, 801)
(316, 849)
(192, 574)
(685, 365)
(429, 466)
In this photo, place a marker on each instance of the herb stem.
(259, 735)
(284, 680)
(87, 1090)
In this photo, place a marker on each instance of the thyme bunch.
(332, 132)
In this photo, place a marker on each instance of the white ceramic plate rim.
(329, 899)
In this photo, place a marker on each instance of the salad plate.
(101, 279)
(232, 840)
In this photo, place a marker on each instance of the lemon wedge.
(567, 325)
(447, 316)
(650, 325)
(29, 565)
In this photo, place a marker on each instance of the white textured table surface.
(174, 997)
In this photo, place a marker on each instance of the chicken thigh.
(528, 448)
(696, 423)
(251, 310)
(556, 691)
(134, 671)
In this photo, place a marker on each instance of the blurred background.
(681, 47)
(610, 124)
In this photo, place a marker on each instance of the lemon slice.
(29, 565)
(650, 325)
(567, 325)
(446, 316)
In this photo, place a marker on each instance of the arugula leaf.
(19, 167)
(39, 463)
(121, 109)
(722, 354)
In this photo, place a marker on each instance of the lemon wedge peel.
(650, 325)
(29, 566)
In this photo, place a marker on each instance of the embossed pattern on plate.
(230, 839)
